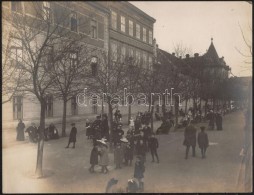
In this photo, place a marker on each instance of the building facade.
(118, 29)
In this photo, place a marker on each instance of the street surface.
(66, 170)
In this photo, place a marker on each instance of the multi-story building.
(117, 28)
(130, 33)
(83, 18)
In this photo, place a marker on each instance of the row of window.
(123, 52)
(131, 28)
(18, 107)
(16, 6)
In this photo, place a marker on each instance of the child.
(203, 141)
(139, 172)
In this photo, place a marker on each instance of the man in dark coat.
(203, 141)
(20, 131)
(128, 154)
(94, 158)
(141, 149)
(153, 145)
(139, 172)
(219, 121)
(190, 138)
(147, 133)
(119, 133)
(72, 138)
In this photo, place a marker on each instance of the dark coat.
(147, 132)
(104, 159)
(118, 156)
(139, 170)
(73, 134)
(190, 136)
(105, 128)
(141, 149)
(128, 153)
(203, 140)
(153, 143)
(94, 156)
(20, 131)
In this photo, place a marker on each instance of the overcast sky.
(194, 23)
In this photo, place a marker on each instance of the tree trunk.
(38, 171)
(110, 118)
(176, 111)
(186, 104)
(163, 108)
(64, 117)
(152, 110)
(129, 113)
(102, 107)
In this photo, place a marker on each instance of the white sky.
(194, 23)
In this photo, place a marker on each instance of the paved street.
(66, 170)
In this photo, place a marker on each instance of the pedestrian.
(153, 145)
(53, 132)
(118, 156)
(104, 159)
(88, 129)
(190, 138)
(94, 158)
(20, 131)
(119, 133)
(128, 154)
(139, 172)
(147, 133)
(203, 141)
(211, 118)
(219, 121)
(141, 149)
(32, 132)
(131, 124)
(72, 138)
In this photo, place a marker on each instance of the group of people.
(138, 141)
(50, 132)
(190, 140)
(215, 118)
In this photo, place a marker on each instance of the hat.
(202, 127)
(102, 142)
(72, 124)
(124, 140)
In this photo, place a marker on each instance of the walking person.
(72, 138)
(190, 138)
(20, 131)
(203, 141)
(94, 158)
(104, 159)
(141, 149)
(139, 172)
(153, 145)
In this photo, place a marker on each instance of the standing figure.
(33, 133)
(147, 133)
(219, 121)
(139, 172)
(190, 139)
(118, 156)
(128, 154)
(153, 145)
(119, 133)
(88, 129)
(203, 141)
(105, 127)
(94, 158)
(72, 138)
(141, 149)
(20, 131)
(211, 118)
(131, 124)
(104, 159)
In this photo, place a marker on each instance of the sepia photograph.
(127, 97)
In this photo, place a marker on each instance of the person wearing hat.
(190, 138)
(203, 141)
(139, 172)
(72, 138)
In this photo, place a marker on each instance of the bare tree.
(181, 50)
(37, 36)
